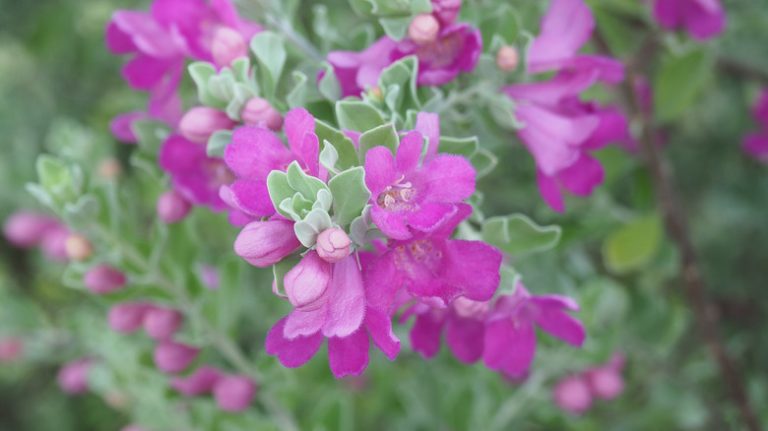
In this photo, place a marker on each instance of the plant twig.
(706, 314)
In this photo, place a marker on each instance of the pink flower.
(161, 323)
(103, 279)
(572, 394)
(756, 144)
(28, 229)
(172, 207)
(128, 316)
(264, 243)
(702, 19)
(160, 40)
(54, 244)
(605, 381)
(173, 357)
(201, 381)
(255, 152)
(11, 349)
(409, 195)
(434, 266)
(195, 175)
(200, 122)
(122, 126)
(73, 376)
(510, 339)
(234, 393)
(558, 129)
(259, 112)
(446, 11)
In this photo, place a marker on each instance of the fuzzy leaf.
(270, 54)
(218, 142)
(518, 235)
(357, 115)
(350, 195)
(633, 245)
(384, 135)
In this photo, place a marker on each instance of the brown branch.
(705, 313)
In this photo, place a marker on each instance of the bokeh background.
(57, 79)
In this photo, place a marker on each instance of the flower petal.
(348, 356)
(465, 338)
(379, 170)
(509, 346)
(292, 353)
(346, 301)
(379, 326)
(425, 333)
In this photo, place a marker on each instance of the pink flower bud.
(424, 29)
(228, 45)
(162, 323)
(333, 245)
(605, 382)
(264, 243)
(78, 247)
(507, 58)
(210, 276)
(54, 244)
(234, 393)
(73, 376)
(128, 316)
(446, 10)
(258, 112)
(199, 123)
(11, 349)
(27, 229)
(307, 282)
(572, 395)
(172, 357)
(109, 169)
(172, 207)
(201, 381)
(103, 279)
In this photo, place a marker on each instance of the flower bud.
(162, 323)
(103, 279)
(572, 395)
(424, 29)
(172, 357)
(78, 247)
(333, 245)
(127, 317)
(201, 381)
(109, 169)
(116, 399)
(605, 382)
(11, 349)
(228, 45)
(264, 243)
(446, 10)
(507, 58)
(172, 207)
(73, 376)
(200, 122)
(307, 282)
(258, 112)
(234, 393)
(27, 229)
(54, 244)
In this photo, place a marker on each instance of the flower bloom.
(172, 207)
(560, 130)
(128, 316)
(572, 394)
(702, 19)
(510, 339)
(234, 393)
(576, 392)
(756, 143)
(28, 229)
(73, 376)
(264, 243)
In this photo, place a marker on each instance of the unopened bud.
(572, 395)
(73, 376)
(103, 279)
(200, 122)
(201, 381)
(507, 58)
(172, 207)
(162, 323)
(78, 247)
(234, 393)
(54, 244)
(27, 229)
(605, 382)
(11, 349)
(333, 245)
(172, 357)
(259, 112)
(424, 29)
(109, 169)
(128, 316)
(228, 45)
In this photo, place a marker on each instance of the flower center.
(398, 197)
(442, 52)
(418, 255)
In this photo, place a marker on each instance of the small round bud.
(109, 169)
(424, 29)
(172, 207)
(11, 349)
(201, 381)
(333, 245)
(200, 122)
(162, 323)
(172, 357)
(54, 244)
(27, 229)
(572, 394)
(228, 45)
(507, 58)
(605, 382)
(127, 317)
(78, 247)
(259, 112)
(234, 393)
(73, 376)
(103, 279)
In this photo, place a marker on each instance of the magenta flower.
(195, 175)
(702, 19)
(11, 349)
(256, 151)
(409, 195)
(128, 316)
(510, 339)
(173, 357)
(357, 71)
(434, 266)
(572, 394)
(160, 40)
(28, 229)
(234, 393)
(201, 381)
(264, 243)
(161, 323)
(446, 11)
(605, 381)
(73, 376)
(103, 279)
(756, 143)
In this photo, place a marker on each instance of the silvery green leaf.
(357, 115)
(360, 226)
(384, 135)
(308, 229)
(270, 54)
(57, 178)
(329, 86)
(343, 145)
(82, 212)
(298, 94)
(518, 235)
(303, 183)
(41, 195)
(329, 156)
(218, 142)
(466, 147)
(324, 200)
(350, 195)
(201, 73)
(286, 208)
(484, 161)
(279, 190)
